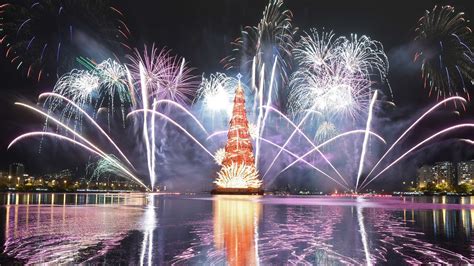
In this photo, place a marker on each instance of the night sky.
(201, 31)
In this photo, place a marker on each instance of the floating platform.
(237, 191)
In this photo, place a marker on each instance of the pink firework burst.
(167, 76)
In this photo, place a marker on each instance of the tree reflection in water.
(236, 220)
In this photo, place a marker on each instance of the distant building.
(425, 175)
(16, 170)
(465, 172)
(449, 172)
(445, 172)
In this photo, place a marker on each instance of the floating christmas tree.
(238, 173)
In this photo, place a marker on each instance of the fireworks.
(108, 166)
(81, 87)
(439, 133)
(366, 139)
(166, 76)
(216, 94)
(219, 156)
(436, 106)
(325, 131)
(91, 90)
(445, 49)
(238, 176)
(259, 46)
(335, 75)
(114, 85)
(43, 38)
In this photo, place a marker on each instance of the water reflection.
(363, 233)
(236, 220)
(149, 224)
(234, 230)
(39, 230)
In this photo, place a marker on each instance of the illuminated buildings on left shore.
(16, 178)
(16, 170)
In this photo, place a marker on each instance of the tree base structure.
(237, 191)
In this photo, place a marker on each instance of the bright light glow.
(238, 176)
(366, 139)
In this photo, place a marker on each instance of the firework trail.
(410, 128)
(306, 137)
(297, 129)
(259, 95)
(366, 139)
(306, 162)
(49, 94)
(167, 118)
(445, 49)
(47, 116)
(144, 91)
(93, 150)
(263, 117)
(186, 111)
(109, 163)
(444, 131)
(153, 145)
(357, 131)
(252, 131)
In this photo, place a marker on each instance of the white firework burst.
(336, 74)
(238, 176)
(81, 87)
(216, 92)
(325, 131)
(219, 156)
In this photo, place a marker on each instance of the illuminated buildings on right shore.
(465, 172)
(446, 172)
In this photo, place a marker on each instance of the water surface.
(234, 230)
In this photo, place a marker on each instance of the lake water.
(234, 230)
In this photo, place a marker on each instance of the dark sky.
(201, 32)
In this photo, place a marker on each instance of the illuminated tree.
(238, 167)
